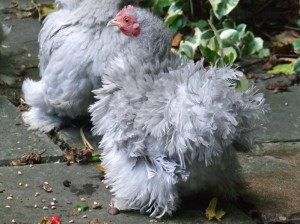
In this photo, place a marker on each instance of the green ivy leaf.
(230, 34)
(179, 23)
(265, 52)
(173, 13)
(230, 55)
(209, 55)
(189, 46)
(223, 7)
(186, 50)
(213, 44)
(200, 24)
(228, 24)
(296, 67)
(251, 44)
(296, 45)
(206, 36)
(241, 29)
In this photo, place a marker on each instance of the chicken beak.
(113, 22)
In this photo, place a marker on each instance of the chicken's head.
(127, 22)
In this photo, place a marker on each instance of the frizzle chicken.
(75, 45)
(169, 126)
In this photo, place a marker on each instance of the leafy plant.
(223, 43)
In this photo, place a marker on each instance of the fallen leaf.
(101, 168)
(24, 15)
(211, 212)
(285, 69)
(219, 214)
(277, 86)
(2, 189)
(287, 37)
(45, 186)
(291, 60)
(44, 10)
(177, 39)
(31, 158)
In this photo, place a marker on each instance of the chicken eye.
(126, 19)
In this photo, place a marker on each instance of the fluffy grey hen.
(169, 125)
(75, 45)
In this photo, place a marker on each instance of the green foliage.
(285, 69)
(223, 7)
(296, 46)
(218, 39)
(296, 67)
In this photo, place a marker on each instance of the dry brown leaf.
(24, 15)
(45, 186)
(292, 60)
(101, 168)
(177, 39)
(287, 37)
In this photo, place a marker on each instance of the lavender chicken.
(169, 126)
(75, 46)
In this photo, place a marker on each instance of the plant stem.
(192, 8)
(219, 42)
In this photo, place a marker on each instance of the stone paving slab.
(16, 139)
(284, 118)
(273, 174)
(85, 183)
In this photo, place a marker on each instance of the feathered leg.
(140, 183)
(37, 117)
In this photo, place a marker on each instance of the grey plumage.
(169, 125)
(75, 45)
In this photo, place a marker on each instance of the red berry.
(55, 220)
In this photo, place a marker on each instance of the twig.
(84, 139)
(286, 55)
(192, 8)
(292, 28)
(251, 63)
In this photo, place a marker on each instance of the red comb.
(128, 7)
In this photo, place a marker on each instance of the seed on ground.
(35, 206)
(45, 208)
(26, 185)
(84, 216)
(53, 207)
(82, 199)
(71, 221)
(37, 194)
(9, 198)
(7, 206)
(20, 184)
(19, 172)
